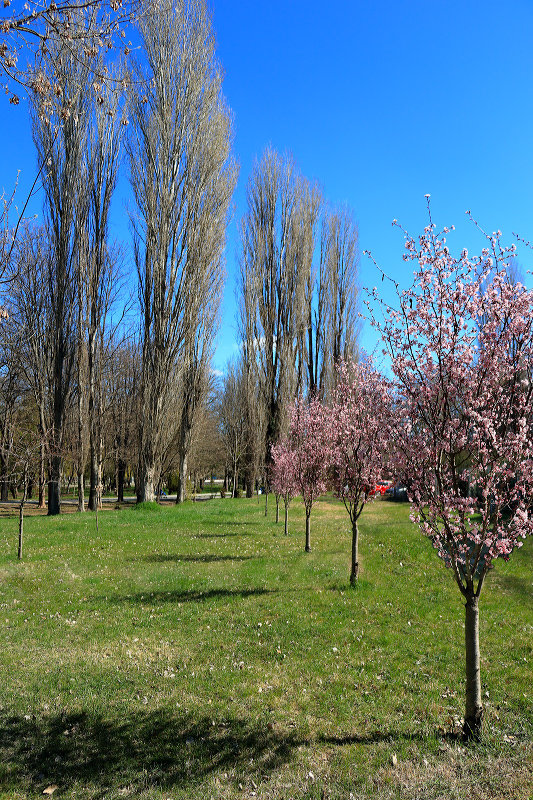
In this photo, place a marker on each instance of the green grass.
(197, 652)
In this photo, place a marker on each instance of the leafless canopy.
(183, 177)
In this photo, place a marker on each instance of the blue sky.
(381, 102)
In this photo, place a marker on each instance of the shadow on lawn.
(219, 535)
(185, 596)
(141, 750)
(521, 587)
(206, 559)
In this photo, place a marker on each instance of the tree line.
(106, 349)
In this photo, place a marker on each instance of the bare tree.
(98, 269)
(62, 149)
(232, 412)
(46, 27)
(11, 395)
(339, 264)
(123, 384)
(276, 256)
(31, 307)
(183, 177)
(195, 377)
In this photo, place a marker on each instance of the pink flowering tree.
(283, 476)
(307, 438)
(358, 443)
(461, 345)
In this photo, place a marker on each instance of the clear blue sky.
(381, 102)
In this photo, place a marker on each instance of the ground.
(197, 652)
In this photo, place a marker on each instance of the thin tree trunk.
(81, 491)
(355, 553)
(81, 454)
(474, 709)
(307, 531)
(286, 519)
(121, 470)
(4, 492)
(21, 515)
(182, 478)
(42, 460)
(277, 509)
(99, 472)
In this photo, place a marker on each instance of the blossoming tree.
(283, 477)
(461, 345)
(358, 442)
(307, 437)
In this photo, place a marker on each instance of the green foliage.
(191, 652)
(147, 505)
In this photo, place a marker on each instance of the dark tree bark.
(355, 553)
(307, 531)
(474, 709)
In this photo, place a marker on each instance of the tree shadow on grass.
(522, 588)
(219, 535)
(190, 596)
(208, 558)
(372, 737)
(138, 751)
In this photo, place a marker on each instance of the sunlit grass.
(197, 652)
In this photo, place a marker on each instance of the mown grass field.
(196, 652)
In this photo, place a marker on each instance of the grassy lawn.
(197, 652)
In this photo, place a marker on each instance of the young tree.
(461, 344)
(183, 177)
(359, 424)
(307, 440)
(284, 476)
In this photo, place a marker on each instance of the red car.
(379, 488)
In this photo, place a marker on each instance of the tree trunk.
(81, 491)
(355, 553)
(121, 470)
(182, 478)
(307, 531)
(99, 472)
(235, 478)
(91, 505)
(249, 486)
(21, 528)
(21, 514)
(146, 484)
(42, 460)
(54, 488)
(277, 509)
(474, 709)
(286, 519)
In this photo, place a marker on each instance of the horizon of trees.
(106, 359)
